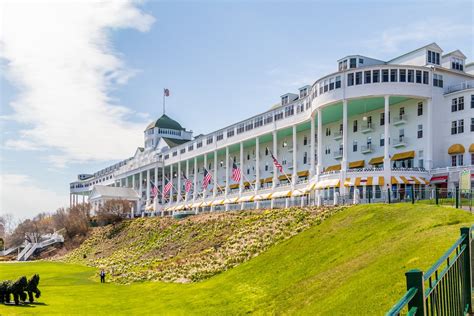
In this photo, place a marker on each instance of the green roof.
(174, 142)
(165, 122)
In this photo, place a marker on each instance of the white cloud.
(60, 57)
(412, 34)
(20, 196)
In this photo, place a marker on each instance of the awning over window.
(248, 198)
(471, 148)
(327, 183)
(268, 180)
(376, 161)
(262, 197)
(456, 149)
(197, 204)
(357, 164)
(299, 192)
(439, 179)
(361, 181)
(405, 155)
(234, 186)
(284, 177)
(409, 180)
(303, 173)
(281, 194)
(230, 200)
(218, 202)
(333, 168)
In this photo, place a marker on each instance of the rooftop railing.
(460, 86)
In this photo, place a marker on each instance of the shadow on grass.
(27, 305)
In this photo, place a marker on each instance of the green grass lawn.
(351, 264)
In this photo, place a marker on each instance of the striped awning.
(299, 192)
(207, 203)
(281, 194)
(356, 164)
(196, 204)
(376, 161)
(439, 179)
(234, 186)
(333, 168)
(179, 207)
(409, 180)
(310, 187)
(231, 200)
(327, 183)
(303, 173)
(260, 197)
(404, 155)
(268, 180)
(361, 181)
(456, 149)
(248, 198)
(218, 202)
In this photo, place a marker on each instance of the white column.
(241, 158)
(320, 142)
(156, 177)
(214, 192)
(195, 179)
(295, 158)
(187, 177)
(70, 200)
(140, 188)
(226, 171)
(133, 182)
(344, 136)
(178, 199)
(429, 134)
(126, 181)
(311, 148)
(172, 185)
(257, 164)
(386, 156)
(275, 148)
(148, 185)
(162, 185)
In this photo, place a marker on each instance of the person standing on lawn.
(102, 276)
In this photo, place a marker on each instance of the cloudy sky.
(80, 80)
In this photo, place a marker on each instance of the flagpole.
(164, 98)
(289, 181)
(242, 174)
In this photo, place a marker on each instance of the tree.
(113, 211)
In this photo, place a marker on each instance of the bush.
(113, 211)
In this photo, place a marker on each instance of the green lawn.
(351, 264)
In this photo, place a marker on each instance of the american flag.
(154, 189)
(236, 174)
(166, 92)
(207, 179)
(188, 184)
(167, 188)
(277, 164)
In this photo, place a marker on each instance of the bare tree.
(113, 211)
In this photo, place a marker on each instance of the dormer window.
(343, 65)
(303, 92)
(457, 64)
(433, 57)
(353, 63)
(284, 100)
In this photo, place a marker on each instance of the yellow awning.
(234, 186)
(268, 180)
(262, 197)
(471, 148)
(327, 183)
(303, 173)
(357, 164)
(376, 161)
(404, 155)
(284, 177)
(456, 149)
(248, 198)
(218, 202)
(197, 204)
(230, 200)
(333, 168)
(246, 184)
(310, 187)
(299, 192)
(281, 194)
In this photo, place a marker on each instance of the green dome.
(165, 122)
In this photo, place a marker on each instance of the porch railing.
(445, 289)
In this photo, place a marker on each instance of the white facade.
(373, 125)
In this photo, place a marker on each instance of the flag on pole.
(236, 173)
(207, 179)
(166, 92)
(188, 184)
(167, 188)
(277, 164)
(154, 189)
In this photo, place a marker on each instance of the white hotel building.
(371, 128)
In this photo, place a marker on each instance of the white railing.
(460, 86)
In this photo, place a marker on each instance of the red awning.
(439, 179)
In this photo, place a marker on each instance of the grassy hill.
(353, 263)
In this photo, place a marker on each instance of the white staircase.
(8, 251)
(30, 248)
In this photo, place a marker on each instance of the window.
(393, 75)
(454, 127)
(305, 158)
(350, 79)
(305, 141)
(278, 116)
(353, 63)
(268, 119)
(354, 128)
(284, 100)
(175, 153)
(289, 110)
(358, 77)
(433, 57)
(461, 103)
(284, 144)
(418, 76)
(266, 151)
(472, 101)
(199, 144)
(331, 84)
(326, 86)
(403, 75)
(426, 77)
(328, 131)
(266, 166)
(258, 121)
(368, 77)
(472, 124)
(338, 82)
(249, 126)
(472, 159)
(411, 76)
(460, 126)
(420, 159)
(376, 76)
(454, 105)
(191, 147)
(369, 121)
(438, 80)
(209, 140)
(401, 134)
(220, 136)
(384, 75)
(361, 61)
(401, 112)
(327, 151)
(240, 128)
(457, 64)
(230, 132)
(354, 146)
(382, 119)
(382, 140)
(420, 108)
(420, 131)
(453, 160)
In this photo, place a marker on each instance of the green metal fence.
(445, 289)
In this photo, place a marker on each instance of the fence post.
(437, 196)
(467, 266)
(412, 194)
(456, 192)
(415, 279)
(388, 193)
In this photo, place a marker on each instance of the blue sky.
(80, 82)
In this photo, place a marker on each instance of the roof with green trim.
(165, 122)
(174, 142)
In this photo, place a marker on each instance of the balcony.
(400, 120)
(367, 128)
(400, 142)
(367, 149)
(337, 154)
(338, 135)
(460, 86)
